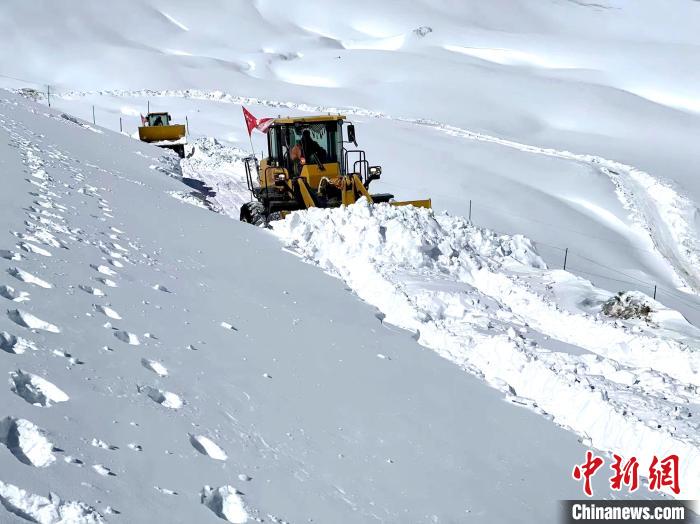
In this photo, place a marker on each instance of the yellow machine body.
(161, 132)
(326, 178)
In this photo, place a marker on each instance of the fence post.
(187, 126)
(654, 291)
(566, 255)
(121, 129)
(470, 210)
(148, 102)
(93, 115)
(48, 94)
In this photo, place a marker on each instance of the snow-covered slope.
(572, 123)
(168, 364)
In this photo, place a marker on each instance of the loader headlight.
(375, 171)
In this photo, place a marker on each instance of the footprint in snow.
(72, 361)
(29, 321)
(107, 282)
(207, 447)
(68, 459)
(104, 270)
(31, 248)
(119, 248)
(226, 325)
(128, 338)
(155, 366)
(17, 345)
(165, 491)
(166, 399)
(159, 287)
(11, 293)
(103, 445)
(135, 447)
(35, 389)
(103, 470)
(226, 502)
(92, 290)
(26, 442)
(10, 255)
(24, 276)
(107, 311)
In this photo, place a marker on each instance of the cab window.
(159, 119)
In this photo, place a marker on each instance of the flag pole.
(250, 137)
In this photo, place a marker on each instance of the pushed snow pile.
(629, 305)
(226, 502)
(406, 236)
(210, 152)
(487, 301)
(220, 168)
(42, 510)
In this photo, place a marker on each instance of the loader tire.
(253, 213)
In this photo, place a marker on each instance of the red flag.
(264, 124)
(251, 122)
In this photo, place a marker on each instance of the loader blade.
(415, 203)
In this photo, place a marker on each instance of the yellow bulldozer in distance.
(308, 165)
(158, 130)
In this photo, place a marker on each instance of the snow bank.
(470, 295)
(220, 167)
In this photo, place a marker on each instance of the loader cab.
(158, 119)
(319, 141)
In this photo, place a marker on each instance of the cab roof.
(307, 119)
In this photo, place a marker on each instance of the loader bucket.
(415, 203)
(161, 133)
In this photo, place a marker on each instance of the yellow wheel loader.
(308, 165)
(158, 130)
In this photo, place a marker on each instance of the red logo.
(666, 476)
(662, 473)
(587, 470)
(627, 475)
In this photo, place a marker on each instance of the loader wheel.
(253, 213)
